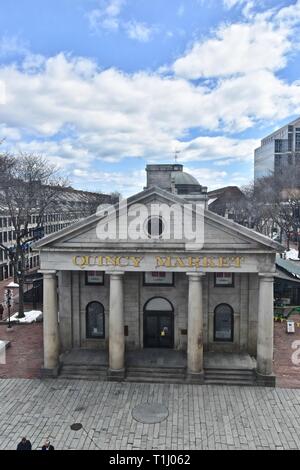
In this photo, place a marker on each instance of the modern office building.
(278, 151)
(160, 305)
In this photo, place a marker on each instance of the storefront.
(124, 294)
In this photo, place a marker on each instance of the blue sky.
(102, 87)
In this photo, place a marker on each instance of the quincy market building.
(208, 305)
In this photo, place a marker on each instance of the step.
(74, 370)
(85, 366)
(156, 371)
(227, 374)
(229, 382)
(240, 371)
(161, 380)
(165, 378)
(80, 377)
(165, 370)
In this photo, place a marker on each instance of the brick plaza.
(200, 417)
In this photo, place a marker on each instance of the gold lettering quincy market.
(165, 262)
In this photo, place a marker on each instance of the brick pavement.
(24, 358)
(288, 374)
(200, 417)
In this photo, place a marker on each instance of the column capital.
(196, 277)
(266, 277)
(49, 273)
(116, 275)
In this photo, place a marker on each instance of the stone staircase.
(156, 374)
(159, 366)
(168, 375)
(229, 377)
(83, 372)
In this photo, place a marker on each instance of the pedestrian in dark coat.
(47, 446)
(24, 444)
(1, 311)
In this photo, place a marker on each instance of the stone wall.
(74, 296)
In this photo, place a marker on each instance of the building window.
(224, 279)
(95, 278)
(158, 278)
(95, 321)
(223, 323)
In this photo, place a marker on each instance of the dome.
(182, 178)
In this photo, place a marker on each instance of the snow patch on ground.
(30, 317)
(292, 254)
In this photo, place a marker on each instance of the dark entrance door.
(158, 325)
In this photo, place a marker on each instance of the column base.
(116, 375)
(50, 373)
(195, 377)
(265, 380)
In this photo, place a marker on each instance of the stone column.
(116, 326)
(195, 325)
(50, 323)
(265, 325)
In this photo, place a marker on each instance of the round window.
(155, 227)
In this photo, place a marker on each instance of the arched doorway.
(158, 323)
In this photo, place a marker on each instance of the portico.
(123, 296)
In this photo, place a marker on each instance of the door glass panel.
(223, 323)
(95, 320)
(165, 331)
(151, 338)
(158, 324)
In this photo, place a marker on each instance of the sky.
(103, 87)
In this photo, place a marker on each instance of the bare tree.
(29, 187)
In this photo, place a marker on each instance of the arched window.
(223, 323)
(95, 321)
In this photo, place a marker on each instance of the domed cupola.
(185, 183)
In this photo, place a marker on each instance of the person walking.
(25, 444)
(1, 312)
(47, 445)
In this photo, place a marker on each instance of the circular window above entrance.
(155, 227)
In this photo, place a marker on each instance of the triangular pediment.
(219, 233)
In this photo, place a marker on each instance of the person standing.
(47, 445)
(1, 312)
(25, 444)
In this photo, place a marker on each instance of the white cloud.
(11, 46)
(110, 115)
(127, 184)
(248, 5)
(69, 109)
(139, 31)
(109, 18)
(218, 149)
(239, 48)
(106, 17)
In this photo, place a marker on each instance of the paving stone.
(200, 417)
